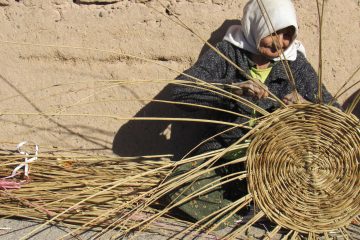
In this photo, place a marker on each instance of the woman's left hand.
(293, 98)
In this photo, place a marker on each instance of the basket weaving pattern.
(303, 167)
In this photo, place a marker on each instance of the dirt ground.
(66, 57)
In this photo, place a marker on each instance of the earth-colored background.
(43, 70)
(41, 79)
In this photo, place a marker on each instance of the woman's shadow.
(144, 138)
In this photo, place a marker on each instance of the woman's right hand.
(250, 88)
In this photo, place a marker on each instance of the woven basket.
(303, 167)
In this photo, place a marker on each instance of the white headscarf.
(280, 14)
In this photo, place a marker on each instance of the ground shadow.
(139, 138)
(350, 100)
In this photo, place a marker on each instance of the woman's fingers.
(251, 89)
(293, 98)
(264, 92)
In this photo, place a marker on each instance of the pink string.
(6, 184)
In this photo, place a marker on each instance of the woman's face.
(272, 45)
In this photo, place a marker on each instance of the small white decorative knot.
(28, 160)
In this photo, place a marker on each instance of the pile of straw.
(77, 189)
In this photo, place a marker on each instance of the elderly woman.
(266, 36)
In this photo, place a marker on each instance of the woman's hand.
(250, 88)
(292, 99)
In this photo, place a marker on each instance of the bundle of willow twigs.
(83, 188)
(302, 169)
